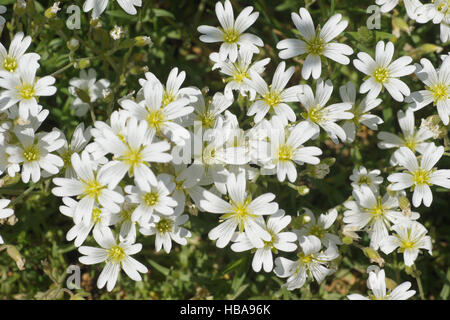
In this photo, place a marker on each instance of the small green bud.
(347, 240)
(142, 41)
(303, 190)
(73, 44)
(83, 95)
(83, 64)
(20, 7)
(374, 256)
(329, 161)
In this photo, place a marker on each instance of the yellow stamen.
(381, 75)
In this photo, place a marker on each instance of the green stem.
(419, 284)
(24, 194)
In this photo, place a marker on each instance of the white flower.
(362, 177)
(15, 56)
(316, 43)
(282, 241)
(437, 88)
(5, 212)
(319, 227)
(116, 255)
(409, 238)
(420, 177)
(80, 139)
(410, 5)
(287, 149)
(172, 90)
(88, 83)
(381, 73)
(90, 186)
(101, 218)
(98, 6)
(231, 32)
(360, 111)
(377, 283)
(240, 212)
(55, 7)
(373, 212)
(273, 98)
(151, 198)
(318, 115)
(238, 71)
(22, 87)
(168, 228)
(207, 112)
(186, 180)
(133, 152)
(437, 11)
(410, 138)
(311, 263)
(34, 153)
(160, 117)
(116, 33)
(118, 126)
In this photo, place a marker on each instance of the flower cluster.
(170, 149)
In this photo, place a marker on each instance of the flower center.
(164, 225)
(381, 75)
(67, 156)
(168, 97)
(10, 64)
(207, 119)
(443, 6)
(26, 91)
(407, 244)
(272, 98)
(317, 231)
(411, 143)
(240, 75)
(378, 209)
(230, 36)
(96, 215)
(285, 153)
(155, 119)
(125, 214)
(93, 189)
(116, 254)
(421, 176)
(315, 46)
(240, 213)
(363, 180)
(151, 198)
(305, 259)
(31, 153)
(315, 114)
(439, 91)
(132, 157)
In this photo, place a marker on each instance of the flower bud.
(142, 41)
(374, 256)
(73, 44)
(83, 63)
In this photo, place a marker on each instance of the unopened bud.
(303, 190)
(73, 44)
(374, 256)
(318, 171)
(142, 41)
(83, 63)
(20, 7)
